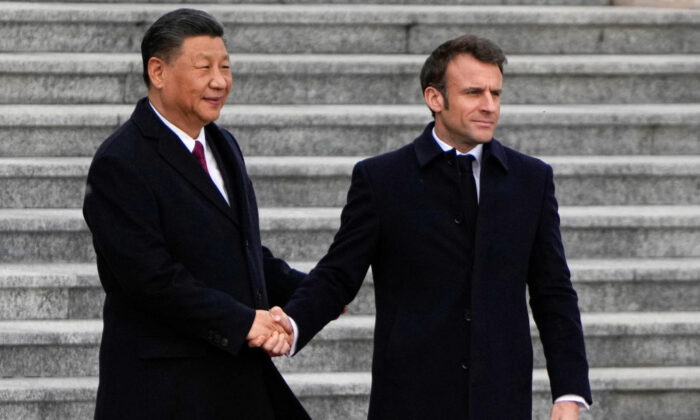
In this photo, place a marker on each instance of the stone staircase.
(609, 96)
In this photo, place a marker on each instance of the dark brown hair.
(433, 71)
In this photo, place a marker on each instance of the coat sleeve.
(123, 216)
(280, 278)
(554, 304)
(337, 278)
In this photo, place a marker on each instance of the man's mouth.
(213, 101)
(483, 123)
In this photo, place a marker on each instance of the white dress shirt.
(189, 142)
(477, 152)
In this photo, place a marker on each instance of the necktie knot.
(198, 152)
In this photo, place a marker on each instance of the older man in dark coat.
(175, 229)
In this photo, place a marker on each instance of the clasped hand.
(272, 331)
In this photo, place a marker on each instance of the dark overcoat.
(183, 274)
(452, 337)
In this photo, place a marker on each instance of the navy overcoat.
(452, 337)
(183, 274)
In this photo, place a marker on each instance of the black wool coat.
(183, 274)
(452, 337)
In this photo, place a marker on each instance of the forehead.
(464, 69)
(204, 45)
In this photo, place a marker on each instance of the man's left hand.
(565, 410)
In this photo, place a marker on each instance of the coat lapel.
(229, 150)
(178, 157)
(493, 191)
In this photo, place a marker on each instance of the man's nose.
(489, 103)
(219, 79)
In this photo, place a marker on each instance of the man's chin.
(210, 117)
(484, 140)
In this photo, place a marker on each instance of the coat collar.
(427, 149)
(176, 154)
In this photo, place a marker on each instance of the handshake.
(272, 331)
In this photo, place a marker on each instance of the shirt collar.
(184, 137)
(477, 151)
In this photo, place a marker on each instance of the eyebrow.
(209, 56)
(478, 89)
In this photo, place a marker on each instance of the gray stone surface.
(356, 79)
(619, 393)
(605, 285)
(51, 303)
(22, 303)
(364, 130)
(73, 291)
(361, 28)
(49, 361)
(305, 233)
(324, 181)
(50, 291)
(640, 309)
(62, 348)
(281, 2)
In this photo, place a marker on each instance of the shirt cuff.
(568, 397)
(293, 348)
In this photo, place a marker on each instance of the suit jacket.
(183, 274)
(452, 336)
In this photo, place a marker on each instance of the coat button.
(224, 342)
(468, 316)
(465, 366)
(247, 245)
(259, 294)
(458, 220)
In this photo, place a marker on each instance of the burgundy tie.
(198, 152)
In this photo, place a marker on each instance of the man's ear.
(156, 71)
(433, 98)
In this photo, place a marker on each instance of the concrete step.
(612, 340)
(445, 2)
(70, 348)
(304, 234)
(594, 180)
(42, 182)
(71, 78)
(50, 291)
(51, 235)
(680, 4)
(364, 130)
(604, 285)
(627, 285)
(620, 393)
(324, 181)
(73, 291)
(361, 28)
(49, 348)
(47, 398)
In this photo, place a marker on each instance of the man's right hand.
(263, 328)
